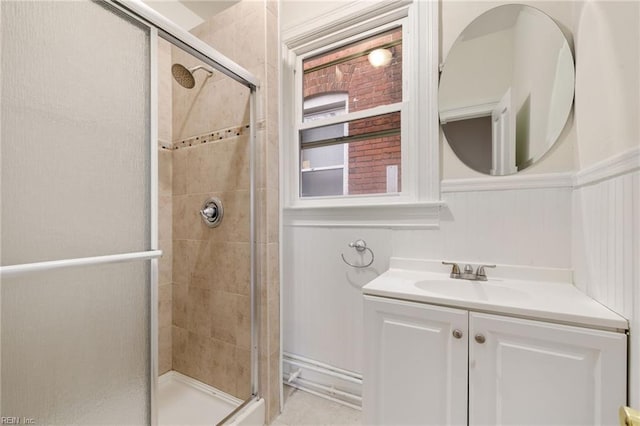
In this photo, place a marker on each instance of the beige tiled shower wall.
(165, 212)
(210, 292)
(248, 33)
(211, 266)
(216, 102)
(211, 299)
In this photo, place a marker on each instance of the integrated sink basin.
(474, 290)
(543, 294)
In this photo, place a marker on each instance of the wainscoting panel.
(528, 226)
(321, 296)
(606, 217)
(606, 245)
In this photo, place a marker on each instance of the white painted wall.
(607, 83)
(322, 300)
(606, 213)
(298, 12)
(322, 307)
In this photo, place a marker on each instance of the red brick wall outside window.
(367, 87)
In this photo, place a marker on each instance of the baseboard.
(198, 385)
(329, 382)
(621, 164)
(325, 396)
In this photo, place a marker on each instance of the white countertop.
(545, 300)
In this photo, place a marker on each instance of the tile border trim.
(213, 136)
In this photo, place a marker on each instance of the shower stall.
(128, 220)
(205, 209)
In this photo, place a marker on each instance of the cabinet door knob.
(457, 334)
(480, 338)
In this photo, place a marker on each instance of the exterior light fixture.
(380, 57)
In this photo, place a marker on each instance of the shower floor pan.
(186, 401)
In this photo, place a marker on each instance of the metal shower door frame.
(159, 26)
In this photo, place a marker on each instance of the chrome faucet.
(468, 274)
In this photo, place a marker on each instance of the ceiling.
(207, 8)
(189, 13)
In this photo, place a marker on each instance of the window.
(360, 101)
(364, 77)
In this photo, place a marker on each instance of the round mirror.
(506, 89)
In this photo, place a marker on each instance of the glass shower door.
(76, 231)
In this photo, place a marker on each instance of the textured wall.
(74, 184)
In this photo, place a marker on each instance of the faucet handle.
(455, 269)
(481, 274)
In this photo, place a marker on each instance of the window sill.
(420, 215)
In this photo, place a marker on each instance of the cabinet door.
(535, 373)
(415, 370)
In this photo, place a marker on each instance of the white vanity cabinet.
(540, 373)
(415, 370)
(433, 365)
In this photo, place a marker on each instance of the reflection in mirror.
(506, 89)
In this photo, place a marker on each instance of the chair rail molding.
(504, 183)
(620, 164)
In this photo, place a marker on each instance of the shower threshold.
(186, 401)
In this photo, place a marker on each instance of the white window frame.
(417, 206)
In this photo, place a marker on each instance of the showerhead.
(184, 76)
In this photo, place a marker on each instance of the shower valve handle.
(209, 212)
(212, 212)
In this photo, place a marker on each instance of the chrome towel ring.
(360, 246)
